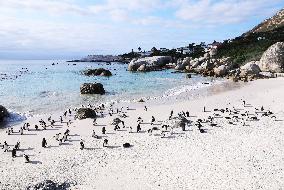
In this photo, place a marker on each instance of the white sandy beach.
(231, 156)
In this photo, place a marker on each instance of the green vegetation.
(251, 46)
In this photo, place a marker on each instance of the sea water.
(37, 87)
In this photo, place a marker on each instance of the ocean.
(34, 87)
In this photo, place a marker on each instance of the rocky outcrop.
(250, 69)
(97, 72)
(92, 88)
(221, 71)
(83, 113)
(149, 63)
(3, 113)
(273, 58)
(183, 63)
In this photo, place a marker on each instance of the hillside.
(272, 23)
(251, 45)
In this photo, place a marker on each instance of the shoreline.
(218, 159)
(195, 92)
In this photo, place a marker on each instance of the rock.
(206, 55)
(251, 68)
(141, 100)
(186, 61)
(267, 74)
(194, 63)
(3, 113)
(213, 52)
(83, 113)
(235, 79)
(273, 58)
(92, 88)
(49, 185)
(142, 68)
(180, 67)
(188, 76)
(152, 63)
(220, 71)
(97, 72)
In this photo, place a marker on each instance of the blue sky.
(42, 29)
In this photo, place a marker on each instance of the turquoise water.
(44, 88)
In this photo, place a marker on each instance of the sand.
(230, 156)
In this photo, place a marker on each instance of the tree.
(139, 49)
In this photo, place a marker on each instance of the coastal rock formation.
(183, 63)
(97, 72)
(92, 88)
(3, 113)
(83, 113)
(149, 63)
(251, 68)
(221, 71)
(273, 58)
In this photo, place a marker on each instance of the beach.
(236, 155)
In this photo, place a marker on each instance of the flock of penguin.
(181, 121)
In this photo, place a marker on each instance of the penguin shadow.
(112, 147)
(52, 146)
(25, 134)
(72, 140)
(74, 135)
(110, 133)
(35, 162)
(25, 149)
(248, 106)
(92, 148)
(66, 143)
(169, 137)
(121, 130)
(100, 125)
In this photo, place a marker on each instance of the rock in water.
(97, 72)
(3, 113)
(151, 63)
(273, 58)
(84, 113)
(92, 88)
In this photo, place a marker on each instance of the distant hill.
(277, 21)
(251, 45)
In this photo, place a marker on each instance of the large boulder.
(92, 88)
(151, 63)
(97, 72)
(186, 61)
(273, 58)
(221, 70)
(251, 68)
(142, 68)
(3, 113)
(83, 113)
(180, 67)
